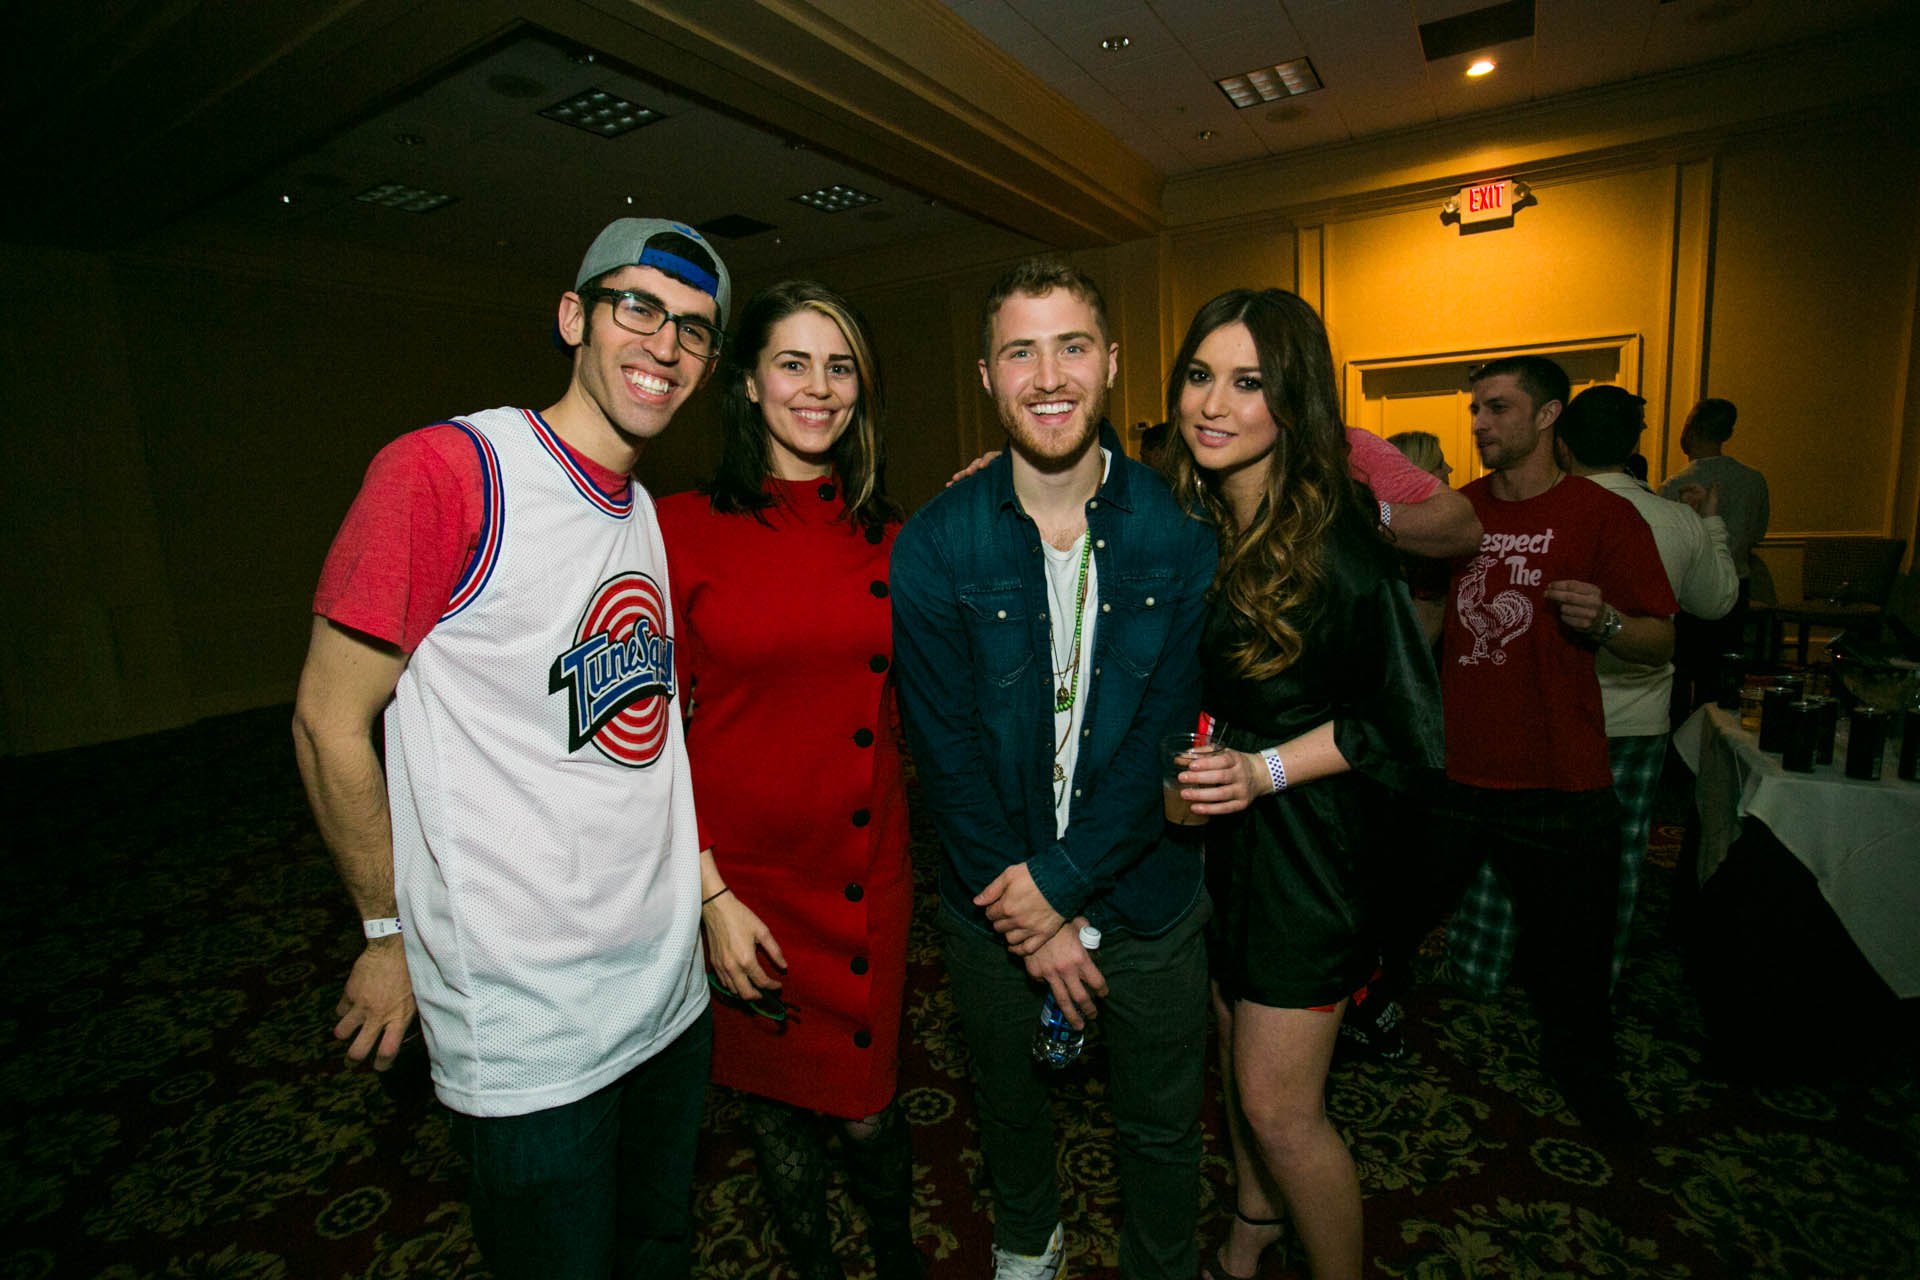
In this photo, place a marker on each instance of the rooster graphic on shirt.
(1493, 620)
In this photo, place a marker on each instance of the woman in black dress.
(1314, 657)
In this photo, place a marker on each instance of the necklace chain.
(1064, 697)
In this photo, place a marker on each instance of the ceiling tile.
(1200, 19)
(1578, 45)
(1240, 51)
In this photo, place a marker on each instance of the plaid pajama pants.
(1481, 934)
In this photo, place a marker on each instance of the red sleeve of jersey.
(1385, 470)
(409, 534)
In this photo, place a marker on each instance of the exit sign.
(1486, 202)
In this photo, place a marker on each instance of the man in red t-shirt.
(1564, 570)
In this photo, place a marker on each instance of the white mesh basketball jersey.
(545, 850)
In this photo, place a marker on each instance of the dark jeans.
(1558, 853)
(1154, 1025)
(597, 1188)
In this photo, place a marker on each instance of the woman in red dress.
(783, 635)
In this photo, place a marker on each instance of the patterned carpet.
(175, 939)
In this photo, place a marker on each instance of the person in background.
(1740, 498)
(1427, 575)
(779, 585)
(527, 871)
(1595, 438)
(1565, 571)
(1312, 647)
(1422, 449)
(1153, 444)
(1422, 516)
(1047, 614)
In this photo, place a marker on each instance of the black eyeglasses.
(642, 313)
(769, 1006)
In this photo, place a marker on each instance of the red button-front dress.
(784, 643)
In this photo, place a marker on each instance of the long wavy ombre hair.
(858, 457)
(1272, 570)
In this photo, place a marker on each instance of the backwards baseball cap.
(670, 247)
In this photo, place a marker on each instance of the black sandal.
(1218, 1271)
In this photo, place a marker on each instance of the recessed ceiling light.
(1480, 67)
(836, 199)
(397, 195)
(607, 115)
(1270, 84)
(1114, 44)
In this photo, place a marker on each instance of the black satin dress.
(1291, 875)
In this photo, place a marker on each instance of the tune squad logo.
(618, 676)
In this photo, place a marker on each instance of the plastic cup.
(1177, 751)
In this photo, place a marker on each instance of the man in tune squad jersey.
(528, 870)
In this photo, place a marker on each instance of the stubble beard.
(1050, 454)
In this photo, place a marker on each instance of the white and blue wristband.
(1276, 769)
(380, 927)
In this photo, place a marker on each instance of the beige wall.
(186, 432)
(1812, 320)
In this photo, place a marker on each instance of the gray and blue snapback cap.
(670, 247)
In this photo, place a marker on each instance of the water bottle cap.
(1089, 937)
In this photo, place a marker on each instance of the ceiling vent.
(1481, 29)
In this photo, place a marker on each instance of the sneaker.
(1048, 1265)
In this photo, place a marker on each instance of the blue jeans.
(598, 1188)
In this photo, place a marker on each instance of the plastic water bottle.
(1057, 1042)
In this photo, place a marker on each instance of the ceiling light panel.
(603, 114)
(835, 199)
(397, 195)
(1270, 84)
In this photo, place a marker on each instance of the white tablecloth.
(1861, 840)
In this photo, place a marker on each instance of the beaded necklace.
(1065, 695)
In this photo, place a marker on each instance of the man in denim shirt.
(1047, 615)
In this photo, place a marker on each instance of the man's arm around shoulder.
(346, 682)
(1441, 527)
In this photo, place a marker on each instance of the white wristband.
(1276, 769)
(383, 927)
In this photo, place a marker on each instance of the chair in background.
(1844, 582)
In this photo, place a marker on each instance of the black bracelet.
(722, 889)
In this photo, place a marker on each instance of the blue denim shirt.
(970, 637)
